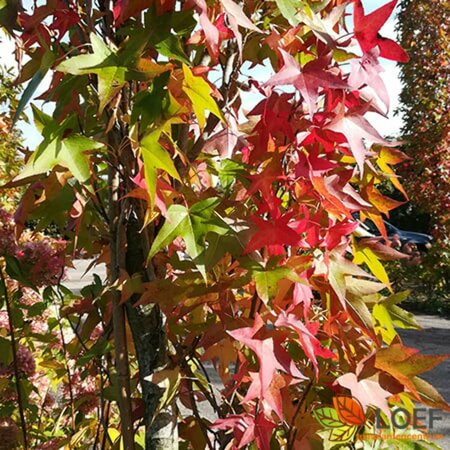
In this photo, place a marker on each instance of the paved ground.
(433, 339)
(82, 274)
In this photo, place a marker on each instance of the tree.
(10, 161)
(425, 100)
(228, 233)
(426, 131)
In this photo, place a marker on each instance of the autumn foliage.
(218, 158)
(425, 105)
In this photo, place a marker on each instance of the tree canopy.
(227, 206)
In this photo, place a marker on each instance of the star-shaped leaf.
(112, 67)
(103, 62)
(271, 355)
(306, 335)
(192, 225)
(199, 92)
(60, 147)
(367, 392)
(156, 157)
(308, 80)
(356, 129)
(367, 31)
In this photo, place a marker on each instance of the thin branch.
(293, 429)
(69, 376)
(203, 427)
(15, 362)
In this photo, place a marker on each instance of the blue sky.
(387, 126)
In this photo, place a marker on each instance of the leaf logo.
(343, 420)
(349, 410)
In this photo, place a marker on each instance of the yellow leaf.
(367, 256)
(199, 92)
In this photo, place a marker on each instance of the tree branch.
(117, 247)
(15, 362)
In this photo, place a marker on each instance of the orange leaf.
(405, 363)
(382, 203)
(349, 410)
(330, 202)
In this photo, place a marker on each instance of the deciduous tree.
(227, 230)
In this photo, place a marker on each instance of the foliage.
(228, 234)
(425, 100)
(10, 138)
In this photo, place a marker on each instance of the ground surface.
(433, 339)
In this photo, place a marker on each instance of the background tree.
(227, 233)
(425, 100)
(10, 137)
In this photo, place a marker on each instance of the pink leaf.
(366, 71)
(306, 334)
(367, 392)
(308, 80)
(356, 130)
(270, 354)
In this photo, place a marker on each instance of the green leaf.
(155, 157)
(218, 246)
(366, 255)
(103, 62)
(28, 93)
(289, 9)
(175, 225)
(15, 271)
(328, 417)
(44, 65)
(9, 10)
(6, 355)
(267, 281)
(166, 31)
(59, 149)
(170, 46)
(192, 225)
(199, 92)
(389, 315)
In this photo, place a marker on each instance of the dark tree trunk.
(146, 324)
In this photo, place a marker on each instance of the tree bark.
(147, 327)
(117, 244)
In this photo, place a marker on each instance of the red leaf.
(247, 429)
(124, 9)
(272, 234)
(272, 396)
(367, 31)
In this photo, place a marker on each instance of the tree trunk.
(117, 242)
(146, 324)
